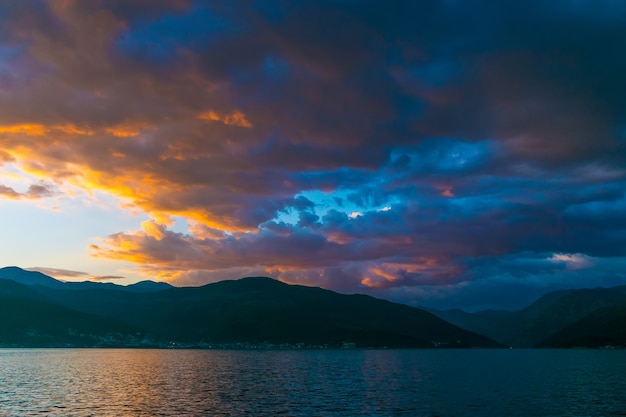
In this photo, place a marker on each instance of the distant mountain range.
(568, 318)
(35, 278)
(37, 310)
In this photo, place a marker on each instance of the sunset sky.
(467, 153)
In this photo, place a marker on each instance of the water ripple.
(427, 383)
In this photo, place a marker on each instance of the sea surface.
(473, 382)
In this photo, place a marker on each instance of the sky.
(452, 154)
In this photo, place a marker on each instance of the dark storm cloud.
(449, 137)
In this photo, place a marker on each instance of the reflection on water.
(77, 382)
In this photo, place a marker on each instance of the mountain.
(10, 288)
(533, 325)
(147, 286)
(24, 277)
(603, 327)
(258, 310)
(500, 325)
(28, 319)
(32, 278)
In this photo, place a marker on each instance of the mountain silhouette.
(601, 328)
(30, 278)
(28, 319)
(256, 310)
(35, 278)
(555, 313)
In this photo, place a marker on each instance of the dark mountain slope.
(500, 325)
(605, 326)
(256, 310)
(533, 324)
(10, 288)
(263, 309)
(28, 319)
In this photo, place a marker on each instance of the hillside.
(260, 310)
(28, 319)
(603, 327)
(534, 324)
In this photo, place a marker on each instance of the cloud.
(106, 277)
(236, 118)
(384, 150)
(5, 157)
(69, 275)
(34, 192)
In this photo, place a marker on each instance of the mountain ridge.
(260, 310)
(265, 310)
(31, 278)
(535, 324)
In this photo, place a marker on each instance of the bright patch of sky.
(179, 225)
(572, 261)
(55, 232)
(335, 200)
(13, 177)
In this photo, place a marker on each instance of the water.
(92, 382)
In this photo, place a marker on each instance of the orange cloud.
(5, 157)
(445, 191)
(125, 130)
(210, 115)
(235, 118)
(73, 130)
(26, 129)
(153, 229)
(36, 129)
(131, 178)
